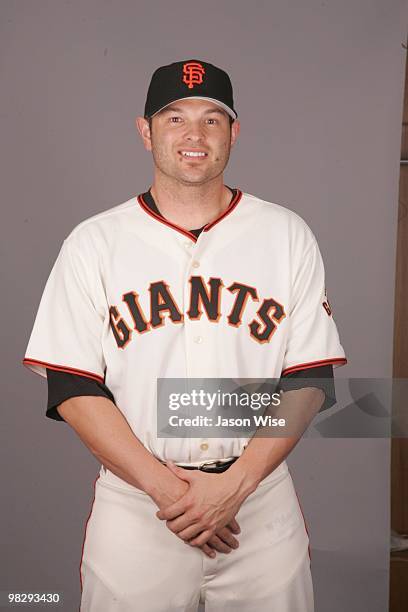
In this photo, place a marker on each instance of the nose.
(194, 132)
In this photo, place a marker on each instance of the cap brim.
(217, 102)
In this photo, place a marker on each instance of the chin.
(194, 179)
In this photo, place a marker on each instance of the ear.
(142, 125)
(235, 128)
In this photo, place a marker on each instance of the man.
(191, 279)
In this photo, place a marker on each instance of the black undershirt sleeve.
(63, 385)
(321, 377)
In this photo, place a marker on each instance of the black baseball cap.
(189, 79)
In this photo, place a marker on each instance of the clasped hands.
(205, 515)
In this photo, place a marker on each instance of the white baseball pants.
(132, 562)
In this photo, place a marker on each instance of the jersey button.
(188, 245)
(204, 446)
(198, 339)
(195, 264)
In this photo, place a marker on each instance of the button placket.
(194, 330)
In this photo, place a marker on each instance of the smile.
(195, 154)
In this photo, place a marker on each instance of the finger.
(210, 552)
(183, 522)
(233, 525)
(202, 538)
(227, 537)
(207, 550)
(171, 512)
(217, 543)
(190, 532)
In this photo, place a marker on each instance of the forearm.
(104, 430)
(265, 451)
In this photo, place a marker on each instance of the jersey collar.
(146, 200)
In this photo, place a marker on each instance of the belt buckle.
(208, 463)
(216, 463)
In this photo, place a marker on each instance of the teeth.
(193, 154)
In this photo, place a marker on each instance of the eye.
(212, 121)
(175, 119)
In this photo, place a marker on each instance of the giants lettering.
(119, 328)
(243, 292)
(161, 301)
(278, 314)
(204, 297)
(200, 296)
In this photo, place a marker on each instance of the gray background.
(318, 88)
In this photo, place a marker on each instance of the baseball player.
(190, 279)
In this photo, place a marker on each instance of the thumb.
(178, 471)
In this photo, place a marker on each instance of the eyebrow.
(178, 109)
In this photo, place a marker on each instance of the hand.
(223, 540)
(210, 503)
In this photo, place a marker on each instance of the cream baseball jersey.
(132, 298)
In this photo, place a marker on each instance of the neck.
(190, 206)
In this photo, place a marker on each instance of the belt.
(210, 466)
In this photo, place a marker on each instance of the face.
(190, 140)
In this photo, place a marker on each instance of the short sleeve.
(313, 338)
(321, 377)
(68, 328)
(64, 385)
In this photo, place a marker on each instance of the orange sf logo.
(193, 74)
